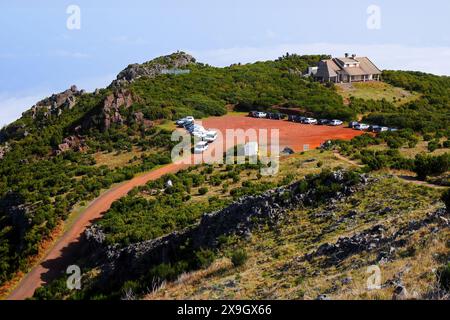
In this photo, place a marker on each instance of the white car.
(261, 114)
(201, 147)
(336, 123)
(185, 121)
(362, 127)
(199, 134)
(310, 121)
(210, 136)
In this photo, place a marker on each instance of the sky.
(48, 45)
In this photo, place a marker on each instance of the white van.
(210, 136)
(201, 147)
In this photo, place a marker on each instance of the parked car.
(310, 121)
(373, 128)
(185, 121)
(362, 127)
(353, 124)
(392, 129)
(379, 129)
(260, 114)
(323, 121)
(336, 123)
(292, 117)
(195, 127)
(200, 147)
(199, 134)
(300, 119)
(210, 136)
(277, 116)
(252, 114)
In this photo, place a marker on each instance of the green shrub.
(204, 258)
(446, 144)
(203, 190)
(433, 145)
(446, 199)
(239, 257)
(444, 277)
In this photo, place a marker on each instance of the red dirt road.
(62, 254)
(33, 279)
(292, 135)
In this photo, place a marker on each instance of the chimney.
(353, 56)
(346, 55)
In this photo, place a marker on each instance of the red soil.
(292, 135)
(62, 254)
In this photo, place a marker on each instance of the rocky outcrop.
(57, 103)
(75, 143)
(376, 239)
(240, 218)
(4, 150)
(111, 108)
(152, 68)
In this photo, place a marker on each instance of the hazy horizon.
(45, 55)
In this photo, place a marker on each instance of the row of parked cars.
(305, 120)
(198, 131)
(322, 122)
(267, 115)
(372, 128)
(294, 118)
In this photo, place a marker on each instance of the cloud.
(12, 105)
(11, 108)
(387, 56)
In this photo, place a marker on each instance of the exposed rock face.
(74, 143)
(375, 239)
(3, 150)
(57, 103)
(152, 68)
(111, 107)
(239, 218)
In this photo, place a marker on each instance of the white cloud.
(12, 105)
(387, 56)
(11, 108)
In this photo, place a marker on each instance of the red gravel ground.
(292, 135)
(62, 254)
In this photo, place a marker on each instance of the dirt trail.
(59, 254)
(64, 252)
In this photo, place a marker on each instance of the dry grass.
(273, 270)
(376, 91)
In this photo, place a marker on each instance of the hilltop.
(70, 147)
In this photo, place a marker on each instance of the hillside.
(70, 147)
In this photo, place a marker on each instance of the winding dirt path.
(60, 255)
(69, 246)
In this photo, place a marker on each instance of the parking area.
(292, 135)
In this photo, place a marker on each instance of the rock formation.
(152, 68)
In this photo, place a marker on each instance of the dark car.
(323, 122)
(277, 116)
(269, 115)
(353, 124)
(374, 128)
(292, 117)
(300, 119)
(252, 114)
